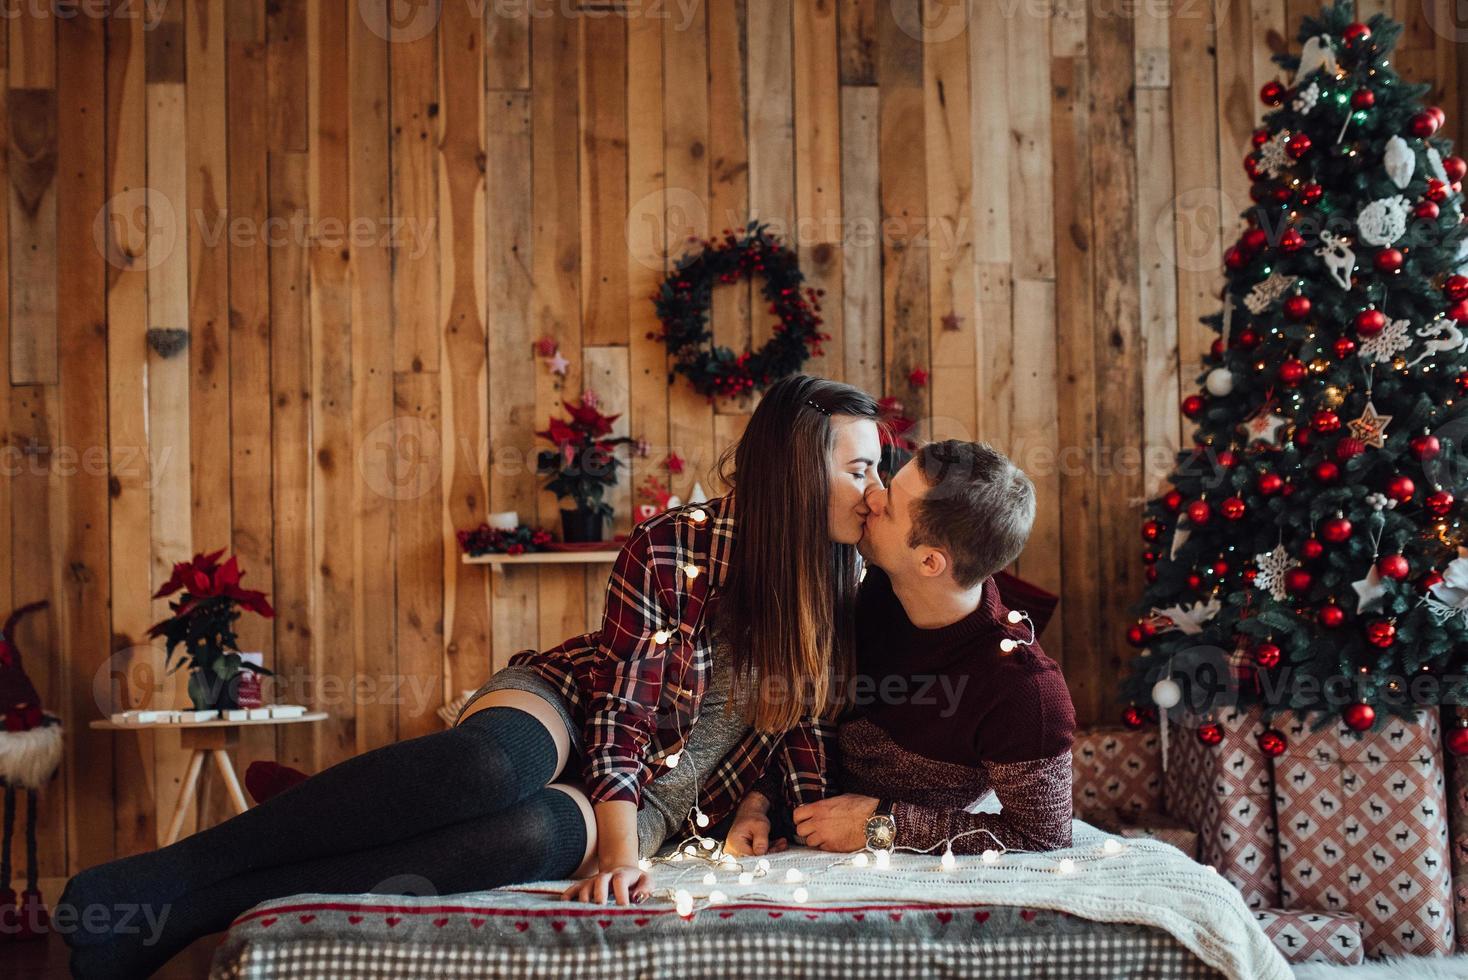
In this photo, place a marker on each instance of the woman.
(478, 806)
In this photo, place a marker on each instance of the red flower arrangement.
(486, 540)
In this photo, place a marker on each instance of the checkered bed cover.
(511, 932)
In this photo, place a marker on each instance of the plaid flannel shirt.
(636, 685)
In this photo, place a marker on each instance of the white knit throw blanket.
(1145, 882)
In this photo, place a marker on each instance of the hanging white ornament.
(1179, 538)
(1273, 567)
(1370, 589)
(1274, 159)
(1190, 621)
(1339, 259)
(1315, 55)
(1435, 164)
(1383, 221)
(1266, 291)
(1400, 162)
(1384, 346)
(1306, 98)
(1450, 596)
(1264, 427)
(1220, 382)
(1379, 501)
(697, 495)
(1443, 337)
(1166, 693)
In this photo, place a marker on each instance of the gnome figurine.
(30, 752)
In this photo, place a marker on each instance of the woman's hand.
(748, 835)
(627, 884)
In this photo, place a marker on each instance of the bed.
(1119, 909)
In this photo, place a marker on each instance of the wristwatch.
(882, 828)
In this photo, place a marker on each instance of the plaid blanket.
(514, 932)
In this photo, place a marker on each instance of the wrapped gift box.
(1223, 791)
(1457, 766)
(1116, 769)
(1313, 937)
(1152, 826)
(1363, 828)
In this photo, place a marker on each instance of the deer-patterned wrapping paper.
(1457, 767)
(1363, 828)
(1313, 937)
(1223, 791)
(1116, 770)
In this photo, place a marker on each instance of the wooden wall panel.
(361, 231)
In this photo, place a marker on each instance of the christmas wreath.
(683, 308)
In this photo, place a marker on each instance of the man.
(952, 699)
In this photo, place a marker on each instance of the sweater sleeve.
(1035, 812)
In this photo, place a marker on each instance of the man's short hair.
(978, 507)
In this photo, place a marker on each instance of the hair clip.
(812, 403)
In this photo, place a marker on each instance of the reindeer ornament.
(1443, 337)
(30, 753)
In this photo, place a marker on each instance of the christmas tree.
(1312, 534)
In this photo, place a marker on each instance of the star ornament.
(1190, 620)
(1370, 428)
(1264, 427)
(558, 364)
(1370, 589)
(918, 378)
(952, 322)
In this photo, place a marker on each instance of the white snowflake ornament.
(1273, 567)
(1190, 620)
(1388, 344)
(1274, 159)
(1400, 162)
(1383, 221)
(1305, 99)
(1266, 291)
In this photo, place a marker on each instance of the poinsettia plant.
(584, 462)
(202, 623)
(897, 446)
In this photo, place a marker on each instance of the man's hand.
(750, 832)
(836, 824)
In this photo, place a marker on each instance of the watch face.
(881, 831)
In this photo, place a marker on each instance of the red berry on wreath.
(1210, 733)
(1363, 98)
(1455, 287)
(1132, 719)
(1457, 738)
(1389, 260)
(1332, 616)
(1335, 529)
(1272, 93)
(1423, 125)
(1439, 503)
(1297, 145)
(1344, 347)
(1297, 308)
(1425, 446)
(1267, 655)
(1311, 549)
(1136, 636)
(1232, 508)
(1298, 581)
(1381, 633)
(1369, 323)
(1199, 512)
(1292, 371)
(1220, 568)
(1394, 567)
(1193, 406)
(1401, 489)
(1326, 471)
(1270, 483)
(1273, 743)
(1358, 717)
(1455, 168)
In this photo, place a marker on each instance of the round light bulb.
(1007, 645)
(684, 903)
(709, 843)
(690, 850)
(698, 516)
(702, 819)
(661, 637)
(1066, 866)
(1112, 846)
(801, 894)
(673, 760)
(990, 856)
(746, 877)
(949, 861)
(763, 864)
(691, 571)
(793, 874)
(717, 898)
(1015, 616)
(884, 859)
(860, 860)
(710, 879)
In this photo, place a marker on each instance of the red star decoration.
(952, 322)
(918, 378)
(674, 463)
(546, 346)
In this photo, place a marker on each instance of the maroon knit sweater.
(942, 716)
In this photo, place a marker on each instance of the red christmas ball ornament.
(1456, 168)
(1267, 655)
(1335, 529)
(1310, 194)
(1426, 210)
(1455, 287)
(1233, 259)
(1291, 241)
(1358, 717)
(1199, 512)
(1311, 549)
(1394, 567)
(1226, 459)
(1232, 509)
(1136, 636)
(1369, 323)
(1281, 194)
(1297, 308)
(1260, 137)
(1251, 167)
(1401, 489)
(1195, 581)
(1423, 125)
(1457, 739)
(1437, 191)
(1363, 98)
(1216, 348)
(1303, 437)
(1210, 733)
(1389, 259)
(1193, 406)
(1432, 578)
(1133, 719)
(1248, 338)
(1297, 145)
(1270, 484)
(1173, 500)
(1439, 503)
(1250, 574)
(1344, 347)
(1355, 33)
(1298, 581)
(1254, 240)
(1425, 447)
(1381, 633)
(1149, 556)
(1462, 382)
(1151, 530)
(1349, 448)
(1273, 743)
(1326, 471)
(1437, 113)
(1272, 93)
(1220, 568)
(1332, 616)
(1458, 311)
(1150, 574)
(1292, 371)
(1325, 421)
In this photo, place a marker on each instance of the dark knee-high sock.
(496, 758)
(540, 838)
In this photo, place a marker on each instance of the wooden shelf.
(107, 724)
(498, 563)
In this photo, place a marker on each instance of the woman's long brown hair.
(789, 600)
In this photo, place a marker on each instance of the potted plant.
(203, 624)
(581, 467)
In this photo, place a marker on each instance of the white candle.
(505, 520)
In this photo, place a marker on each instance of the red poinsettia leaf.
(227, 576)
(200, 583)
(175, 581)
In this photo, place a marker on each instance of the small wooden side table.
(203, 738)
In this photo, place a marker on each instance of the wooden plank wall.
(358, 227)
